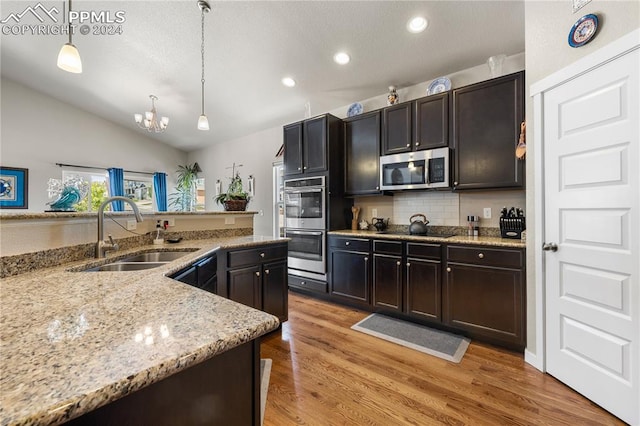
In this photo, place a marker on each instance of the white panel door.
(592, 214)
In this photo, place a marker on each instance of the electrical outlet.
(374, 212)
(261, 212)
(487, 212)
(229, 220)
(131, 225)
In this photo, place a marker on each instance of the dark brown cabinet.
(257, 277)
(486, 128)
(431, 122)
(424, 281)
(484, 293)
(362, 152)
(397, 128)
(387, 275)
(307, 145)
(350, 266)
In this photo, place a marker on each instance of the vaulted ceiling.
(250, 46)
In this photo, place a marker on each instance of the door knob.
(550, 247)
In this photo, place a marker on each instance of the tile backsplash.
(440, 208)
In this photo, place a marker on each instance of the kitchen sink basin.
(155, 256)
(125, 266)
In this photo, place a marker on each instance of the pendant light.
(69, 57)
(203, 122)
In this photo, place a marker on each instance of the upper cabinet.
(417, 125)
(486, 126)
(307, 143)
(362, 149)
(431, 122)
(396, 133)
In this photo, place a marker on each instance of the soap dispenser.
(159, 235)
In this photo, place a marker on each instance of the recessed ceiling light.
(288, 81)
(417, 24)
(341, 58)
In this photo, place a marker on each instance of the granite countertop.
(73, 341)
(7, 215)
(457, 239)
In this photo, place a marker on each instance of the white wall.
(39, 131)
(547, 26)
(256, 153)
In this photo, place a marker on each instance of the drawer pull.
(303, 283)
(261, 254)
(481, 256)
(257, 274)
(347, 243)
(266, 271)
(448, 269)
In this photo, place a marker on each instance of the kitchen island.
(72, 342)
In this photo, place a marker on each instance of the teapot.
(380, 224)
(418, 227)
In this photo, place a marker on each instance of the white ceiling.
(250, 46)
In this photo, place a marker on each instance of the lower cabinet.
(255, 277)
(387, 275)
(476, 290)
(484, 293)
(350, 270)
(423, 288)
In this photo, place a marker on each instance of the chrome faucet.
(102, 246)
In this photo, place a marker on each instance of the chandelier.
(150, 121)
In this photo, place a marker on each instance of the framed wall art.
(13, 188)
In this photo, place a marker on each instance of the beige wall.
(547, 25)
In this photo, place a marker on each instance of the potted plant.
(184, 199)
(236, 198)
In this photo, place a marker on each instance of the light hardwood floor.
(324, 373)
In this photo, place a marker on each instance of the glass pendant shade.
(164, 121)
(69, 59)
(138, 118)
(203, 123)
(148, 115)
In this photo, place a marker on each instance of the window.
(139, 188)
(200, 195)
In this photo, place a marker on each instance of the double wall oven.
(306, 225)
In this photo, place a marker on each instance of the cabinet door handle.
(257, 274)
(303, 283)
(455, 183)
(481, 256)
(305, 167)
(398, 263)
(448, 269)
(261, 254)
(377, 187)
(408, 145)
(408, 264)
(417, 143)
(266, 271)
(347, 243)
(366, 259)
(299, 168)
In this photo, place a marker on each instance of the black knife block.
(512, 227)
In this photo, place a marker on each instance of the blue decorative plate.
(583, 30)
(439, 85)
(354, 109)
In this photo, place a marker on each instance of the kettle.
(380, 224)
(418, 227)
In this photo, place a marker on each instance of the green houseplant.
(184, 199)
(236, 198)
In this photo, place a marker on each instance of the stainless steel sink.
(125, 266)
(155, 256)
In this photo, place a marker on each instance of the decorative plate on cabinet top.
(439, 85)
(354, 109)
(583, 30)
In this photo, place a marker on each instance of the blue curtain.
(160, 190)
(116, 187)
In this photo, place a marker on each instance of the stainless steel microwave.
(415, 170)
